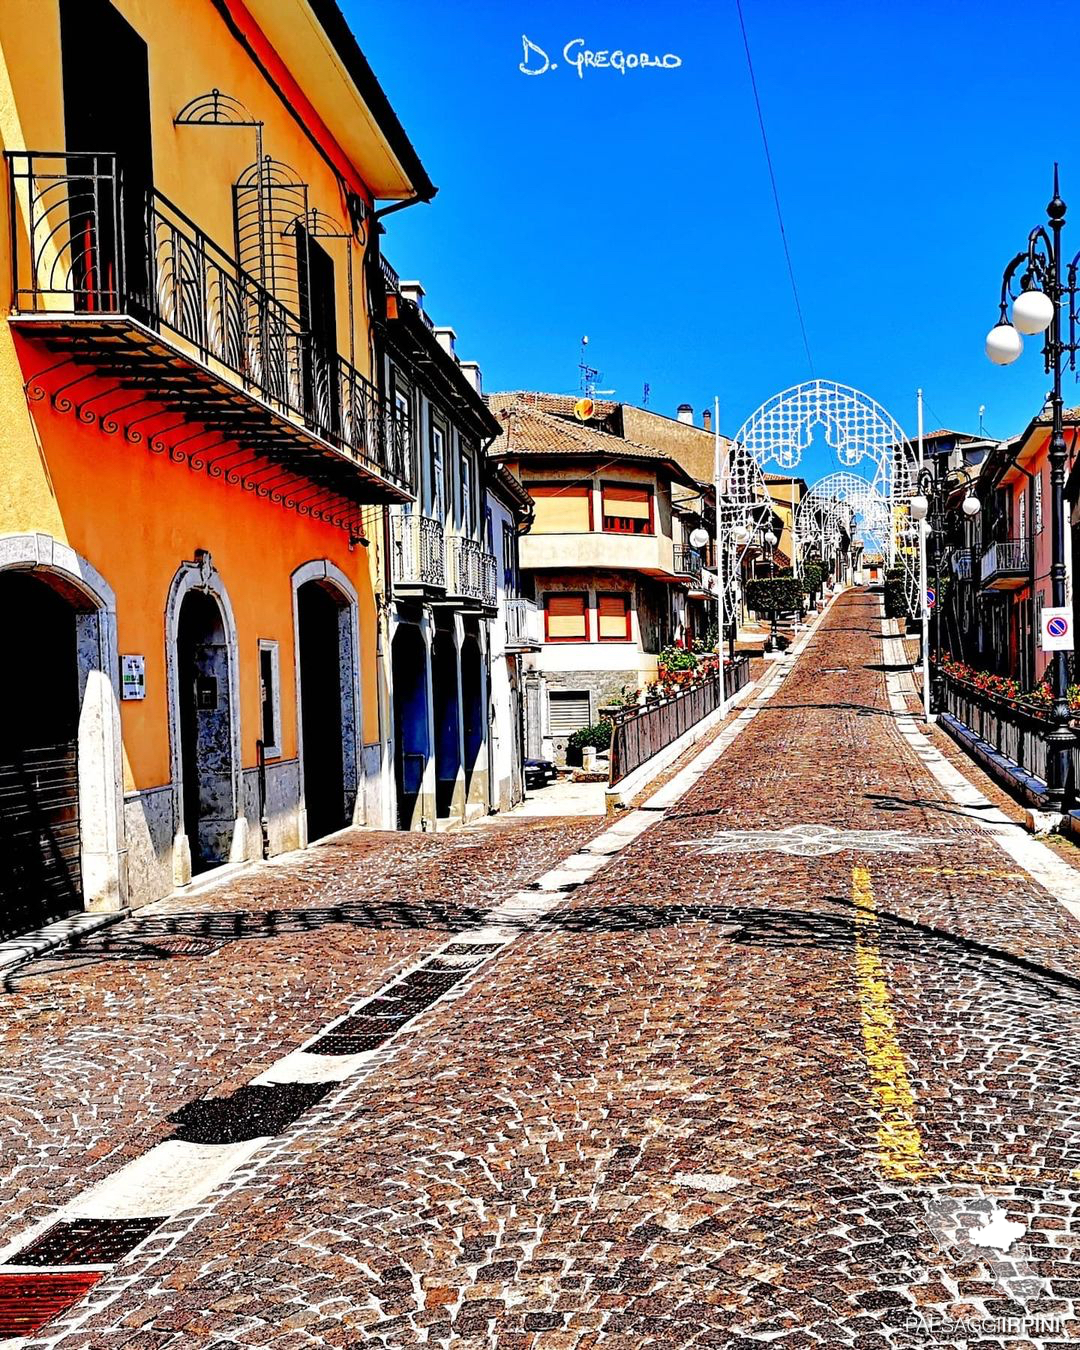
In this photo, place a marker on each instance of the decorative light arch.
(861, 433)
(845, 501)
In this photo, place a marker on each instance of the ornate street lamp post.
(1037, 308)
(928, 510)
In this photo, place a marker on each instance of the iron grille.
(474, 571)
(86, 1242)
(28, 1301)
(419, 550)
(687, 561)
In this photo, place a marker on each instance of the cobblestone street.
(788, 1054)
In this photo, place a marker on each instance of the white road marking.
(172, 1176)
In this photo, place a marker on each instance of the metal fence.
(1019, 734)
(639, 733)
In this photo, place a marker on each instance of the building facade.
(457, 623)
(604, 561)
(1003, 560)
(197, 446)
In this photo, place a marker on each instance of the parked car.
(539, 772)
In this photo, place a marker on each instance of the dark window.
(106, 83)
(318, 316)
(269, 698)
(510, 558)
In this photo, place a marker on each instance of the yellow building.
(198, 449)
(786, 494)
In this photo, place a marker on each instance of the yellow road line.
(899, 1140)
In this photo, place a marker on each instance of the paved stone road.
(740, 1088)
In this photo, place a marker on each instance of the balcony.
(471, 575)
(135, 294)
(687, 562)
(524, 625)
(418, 554)
(648, 554)
(1005, 565)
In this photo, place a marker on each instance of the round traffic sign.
(931, 598)
(1058, 626)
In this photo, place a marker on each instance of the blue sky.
(911, 152)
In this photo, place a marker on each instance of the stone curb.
(64, 933)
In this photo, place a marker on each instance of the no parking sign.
(1056, 630)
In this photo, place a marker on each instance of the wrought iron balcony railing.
(473, 571)
(418, 556)
(687, 561)
(85, 253)
(1007, 558)
(524, 628)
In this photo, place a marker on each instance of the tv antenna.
(588, 373)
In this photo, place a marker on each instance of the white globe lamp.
(1003, 344)
(918, 506)
(699, 538)
(970, 505)
(1032, 312)
(770, 539)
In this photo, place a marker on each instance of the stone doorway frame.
(200, 574)
(103, 848)
(352, 708)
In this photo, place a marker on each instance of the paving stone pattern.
(711, 1099)
(191, 997)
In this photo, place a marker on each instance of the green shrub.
(768, 595)
(598, 736)
(896, 599)
(678, 658)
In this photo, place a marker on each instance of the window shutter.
(632, 502)
(612, 616)
(560, 510)
(567, 711)
(566, 617)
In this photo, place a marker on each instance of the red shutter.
(565, 618)
(613, 618)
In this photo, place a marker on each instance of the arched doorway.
(444, 686)
(40, 863)
(207, 767)
(412, 748)
(474, 722)
(322, 616)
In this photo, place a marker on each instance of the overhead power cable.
(775, 190)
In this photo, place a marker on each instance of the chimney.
(412, 290)
(471, 371)
(706, 419)
(446, 338)
(686, 414)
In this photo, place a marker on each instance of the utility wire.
(775, 191)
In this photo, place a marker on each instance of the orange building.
(198, 452)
